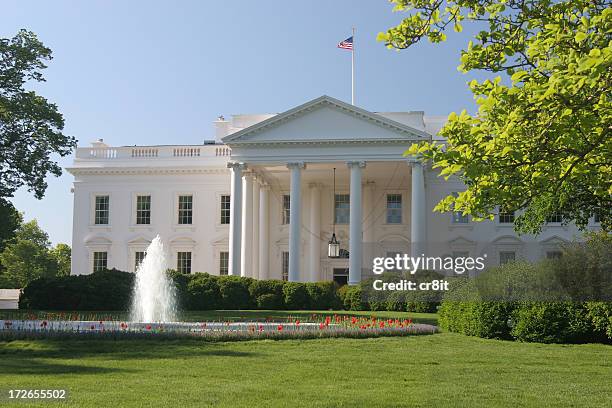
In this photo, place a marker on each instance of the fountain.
(154, 297)
(153, 313)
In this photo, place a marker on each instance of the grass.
(421, 371)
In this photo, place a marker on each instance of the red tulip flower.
(280, 327)
(148, 327)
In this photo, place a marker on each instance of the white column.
(235, 229)
(264, 236)
(246, 265)
(355, 223)
(255, 217)
(314, 253)
(369, 216)
(418, 215)
(295, 220)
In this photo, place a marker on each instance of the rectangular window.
(143, 209)
(554, 254)
(342, 208)
(458, 217)
(506, 217)
(394, 208)
(185, 209)
(286, 209)
(223, 263)
(138, 258)
(506, 256)
(102, 210)
(183, 262)
(554, 218)
(100, 261)
(285, 265)
(225, 209)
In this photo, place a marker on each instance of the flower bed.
(314, 327)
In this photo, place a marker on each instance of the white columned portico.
(355, 223)
(295, 220)
(314, 252)
(264, 232)
(418, 214)
(246, 265)
(234, 264)
(255, 217)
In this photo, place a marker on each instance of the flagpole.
(353, 70)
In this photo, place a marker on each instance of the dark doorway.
(341, 276)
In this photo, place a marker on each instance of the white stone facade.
(223, 207)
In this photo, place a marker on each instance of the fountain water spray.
(154, 297)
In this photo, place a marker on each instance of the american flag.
(346, 44)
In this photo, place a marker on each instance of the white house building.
(259, 200)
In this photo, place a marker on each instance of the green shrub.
(267, 294)
(396, 302)
(104, 290)
(296, 296)
(352, 298)
(552, 322)
(267, 301)
(464, 311)
(600, 314)
(203, 293)
(234, 292)
(323, 295)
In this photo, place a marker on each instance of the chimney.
(99, 143)
(222, 127)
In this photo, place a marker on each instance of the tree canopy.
(30, 126)
(540, 143)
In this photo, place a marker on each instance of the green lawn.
(421, 371)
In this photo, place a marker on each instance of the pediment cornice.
(405, 133)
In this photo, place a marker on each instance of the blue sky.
(147, 72)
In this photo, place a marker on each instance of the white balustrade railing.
(151, 152)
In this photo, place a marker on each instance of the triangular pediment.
(325, 119)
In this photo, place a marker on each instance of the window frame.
(223, 263)
(285, 265)
(398, 210)
(178, 209)
(457, 218)
(95, 209)
(504, 216)
(285, 211)
(506, 252)
(137, 209)
(225, 213)
(98, 268)
(347, 209)
(179, 267)
(136, 260)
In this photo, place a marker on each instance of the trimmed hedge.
(107, 290)
(546, 302)
(112, 290)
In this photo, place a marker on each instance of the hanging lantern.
(333, 247)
